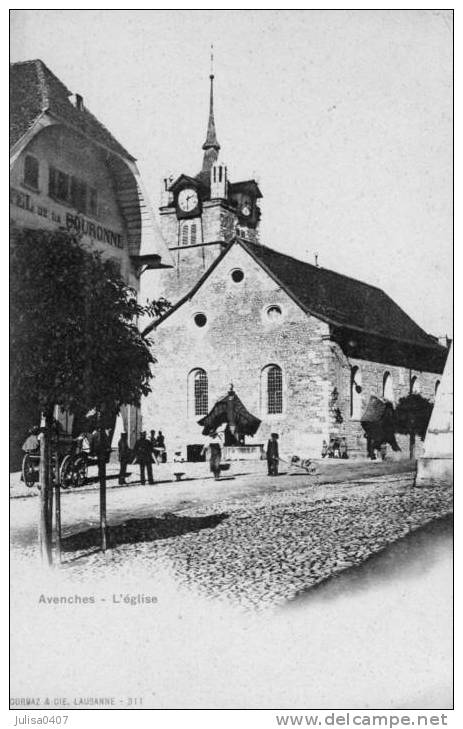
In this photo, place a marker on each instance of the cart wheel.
(29, 470)
(65, 473)
(79, 471)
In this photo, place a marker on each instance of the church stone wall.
(190, 263)
(372, 374)
(237, 343)
(219, 223)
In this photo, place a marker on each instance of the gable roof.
(332, 297)
(34, 89)
(340, 300)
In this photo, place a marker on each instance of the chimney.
(167, 197)
(79, 102)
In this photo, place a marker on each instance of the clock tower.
(201, 214)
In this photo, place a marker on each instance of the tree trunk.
(102, 477)
(58, 519)
(44, 483)
(412, 445)
(52, 466)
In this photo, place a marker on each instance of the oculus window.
(200, 320)
(237, 275)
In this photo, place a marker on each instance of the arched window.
(436, 387)
(355, 393)
(388, 389)
(415, 386)
(272, 390)
(198, 392)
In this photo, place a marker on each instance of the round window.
(237, 275)
(200, 320)
(273, 312)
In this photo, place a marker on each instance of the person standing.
(32, 444)
(144, 456)
(153, 440)
(161, 444)
(213, 451)
(124, 457)
(100, 445)
(343, 448)
(272, 455)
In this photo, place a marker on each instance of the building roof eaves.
(107, 148)
(325, 282)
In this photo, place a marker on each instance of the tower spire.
(211, 146)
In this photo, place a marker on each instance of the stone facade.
(216, 227)
(236, 345)
(371, 379)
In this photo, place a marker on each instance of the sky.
(344, 118)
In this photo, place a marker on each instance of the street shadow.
(96, 479)
(150, 529)
(411, 555)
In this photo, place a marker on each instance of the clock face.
(187, 200)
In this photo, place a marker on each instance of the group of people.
(337, 448)
(213, 453)
(146, 451)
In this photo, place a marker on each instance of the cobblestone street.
(249, 539)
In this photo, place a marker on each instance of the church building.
(304, 347)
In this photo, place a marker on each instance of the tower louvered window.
(193, 234)
(185, 235)
(274, 390)
(200, 392)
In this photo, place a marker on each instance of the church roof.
(339, 300)
(34, 89)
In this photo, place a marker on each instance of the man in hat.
(273, 456)
(143, 451)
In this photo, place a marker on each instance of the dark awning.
(375, 410)
(231, 411)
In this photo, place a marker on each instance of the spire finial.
(211, 146)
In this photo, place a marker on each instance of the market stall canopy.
(378, 422)
(375, 410)
(230, 411)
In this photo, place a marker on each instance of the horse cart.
(70, 460)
